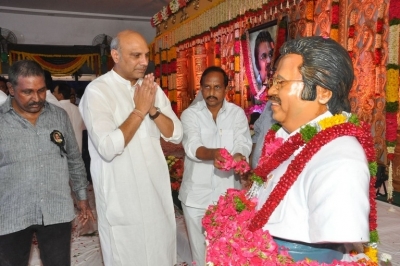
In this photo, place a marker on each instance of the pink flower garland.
(229, 240)
(240, 167)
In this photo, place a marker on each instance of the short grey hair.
(115, 43)
(24, 68)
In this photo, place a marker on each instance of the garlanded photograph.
(261, 49)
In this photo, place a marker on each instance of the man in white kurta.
(208, 125)
(76, 120)
(63, 92)
(3, 97)
(129, 171)
(52, 99)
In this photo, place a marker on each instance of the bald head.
(123, 36)
(130, 53)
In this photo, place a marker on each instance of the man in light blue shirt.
(261, 127)
(39, 158)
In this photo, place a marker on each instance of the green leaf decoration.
(257, 179)
(392, 107)
(391, 143)
(392, 66)
(276, 127)
(394, 21)
(354, 120)
(373, 168)
(308, 132)
(373, 237)
(240, 206)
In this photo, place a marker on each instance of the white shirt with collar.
(3, 97)
(202, 183)
(76, 120)
(329, 201)
(52, 99)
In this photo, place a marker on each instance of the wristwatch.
(152, 117)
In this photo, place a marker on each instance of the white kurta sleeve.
(242, 139)
(191, 133)
(104, 133)
(164, 104)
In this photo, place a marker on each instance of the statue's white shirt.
(329, 201)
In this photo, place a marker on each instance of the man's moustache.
(210, 97)
(36, 103)
(275, 99)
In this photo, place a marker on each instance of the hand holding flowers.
(225, 161)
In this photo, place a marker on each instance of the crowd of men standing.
(126, 113)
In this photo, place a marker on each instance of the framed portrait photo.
(262, 52)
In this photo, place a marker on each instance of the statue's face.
(288, 108)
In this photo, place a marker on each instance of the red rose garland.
(363, 135)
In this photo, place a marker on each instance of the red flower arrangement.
(378, 50)
(379, 25)
(394, 12)
(335, 13)
(163, 15)
(378, 56)
(391, 126)
(237, 47)
(281, 38)
(351, 31)
(175, 167)
(217, 48)
(173, 66)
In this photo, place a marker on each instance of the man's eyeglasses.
(276, 82)
(264, 56)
